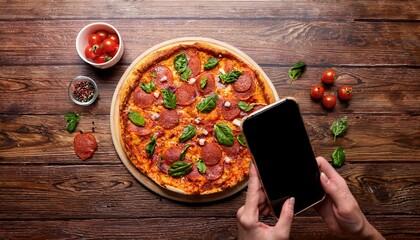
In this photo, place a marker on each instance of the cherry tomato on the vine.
(329, 101)
(345, 92)
(94, 39)
(317, 92)
(328, 76)
(89, 53)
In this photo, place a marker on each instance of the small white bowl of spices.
(83, 90)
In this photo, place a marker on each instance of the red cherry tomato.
(89, 53)
(97, 49)
(102, 34)
(114, 52)
(109, 45)
(114, 37)
(329, 101)
(345, 92)
(328, 76)
(94, 39)
(317, 92)
(100, 59)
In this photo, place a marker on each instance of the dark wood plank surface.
(46, 192)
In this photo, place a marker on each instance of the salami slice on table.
(85, 145)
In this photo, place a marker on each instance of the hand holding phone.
(283, 155)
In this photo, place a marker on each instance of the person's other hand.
(339, 209)
(249, 226)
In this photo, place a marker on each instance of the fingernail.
(325, 178)
(292, 202)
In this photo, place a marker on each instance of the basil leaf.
(186, 74)
(230, 77)
(148, 87)
(184, 151)
(181, 62)
(169, 99)
(208, 103)
(241, 140)
(188, 133)
(72, 120)
(150, 147)
(179, 169)
(211, 63)
(136, 118)
(224, 134)
(201, 166)
(154, 74)
(297, 70)
(338, 157)
(245, 106)
(339, 127)
(203, 82)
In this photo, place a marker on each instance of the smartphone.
(282, 153)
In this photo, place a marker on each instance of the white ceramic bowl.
(82, 43)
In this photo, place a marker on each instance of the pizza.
(179, 115)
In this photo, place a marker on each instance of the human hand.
(249, 226)
(339, 209)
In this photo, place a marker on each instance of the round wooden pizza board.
(116, 134)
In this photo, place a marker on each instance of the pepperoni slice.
(245, 95)
(142, 99)
(84, 145)
(244, 82)
(233, 150)
(172, 155)
(229, 66)
(164, 77)
(163, 166)
(214, 172)
(169, 118)
(141, 131)
(211, 154)
(194, 62)
(195, 175)
(231, 112)
(210, 84)
(185, 94)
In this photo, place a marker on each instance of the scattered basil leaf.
(201, 166)
(224, 134)
(181, 62)
(186, 74)
(169, 99)
(150, 147)
(297, 70)
(72, 120)
(184, 151)
(338, 157)
(188, 133)
(230, 77)
(241, 140)
(179, 169)
(245, 106)
(339, 127)
(148, 87)
(208, 103)
(211, 63)
(203, 82)
(137, 118)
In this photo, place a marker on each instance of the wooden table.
(47, 192)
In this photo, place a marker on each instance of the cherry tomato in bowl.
(345, 92)
(328, 76)
(317, 92)
(329, 101)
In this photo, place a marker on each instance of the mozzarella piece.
(237, 122)
(227, 159)
(201, 141)
(197, 120)
(222, 71)
(227, 104)
(191, 81)
(205, 132)
(163, 79)
(156, 94)
(155, 116)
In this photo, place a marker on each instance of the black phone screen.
(281, 149)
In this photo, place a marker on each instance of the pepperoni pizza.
(180, 108)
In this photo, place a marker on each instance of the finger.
(334, 191)
(284, 224)
(252, 196)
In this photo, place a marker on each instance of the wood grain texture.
(47, 192)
